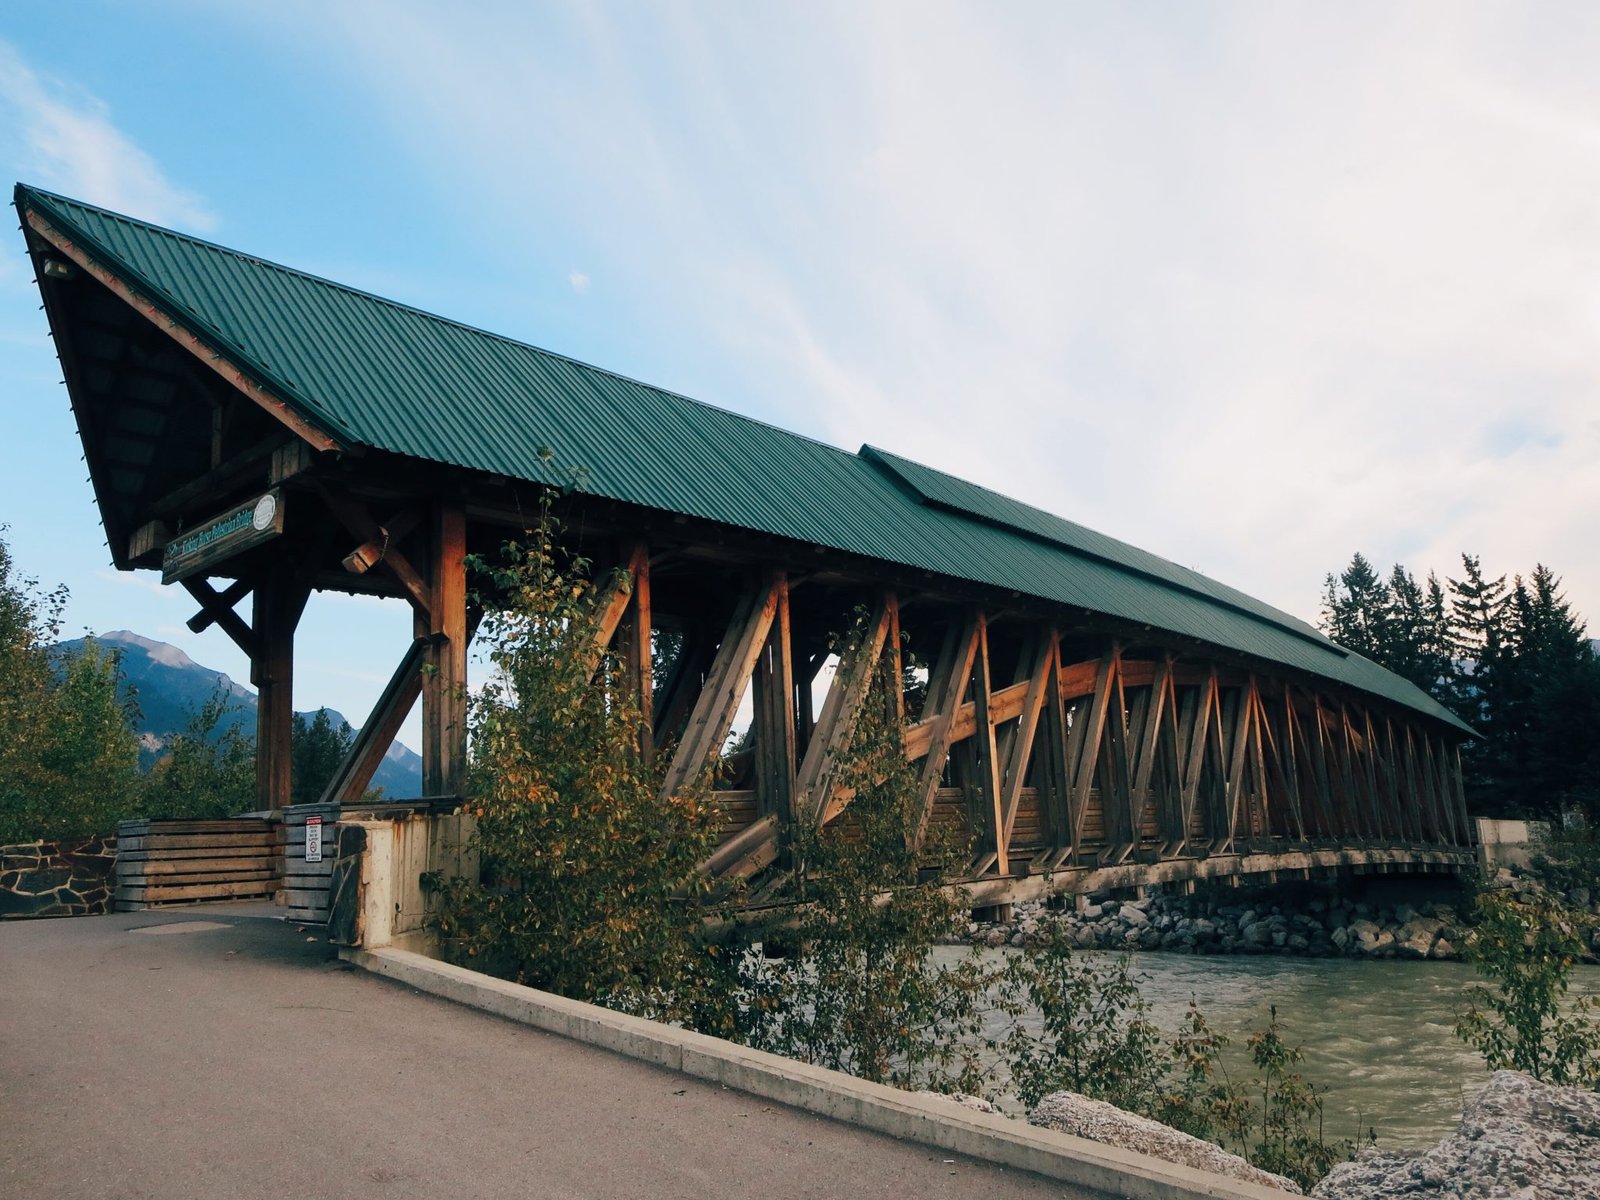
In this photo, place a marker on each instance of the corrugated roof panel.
(384, 375)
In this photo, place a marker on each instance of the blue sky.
(1252, 286)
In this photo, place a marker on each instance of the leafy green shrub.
(1093, 1034)
(862, 990)
(1528, 948)
(1096, 1036)
(68, 759)
(590, 886)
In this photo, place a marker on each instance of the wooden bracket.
(217, 608)
(353, 515)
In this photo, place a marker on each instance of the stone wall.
(56, 879)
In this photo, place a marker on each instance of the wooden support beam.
(216, 608)
(1116, 784)
(1194, 747)
(677, 692)
(991, 817)
(213, 486)
(635, 646)
(444, 689)
(947, 684)
(1291, 762)
(1465, 834)
(1042, 655)
(1414, 818)
(1351, 769)
(718, 700)
(1144, 747)
(615, 598)
(1238, 765)
(353, 515)
(836, 726)
(1279, 760)
(1088, 731)
(279, 601)
(208, 355)
(377, 733)
(1055, 784)
(775, 731)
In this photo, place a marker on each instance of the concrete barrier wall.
(1509, 843)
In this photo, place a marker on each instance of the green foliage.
(590, 887)
(1513, 660)
(1287, 1128)
(208, 770)
(68, 758)
(863, 991)
(1093, 1034)
(1528, 948)
(1097, 1038)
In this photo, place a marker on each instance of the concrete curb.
(931, 1122)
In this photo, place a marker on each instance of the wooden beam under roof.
(208, 355)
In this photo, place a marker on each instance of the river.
(1378, 1036)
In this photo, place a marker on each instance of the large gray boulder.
(1068, 1112)
(1518, 1138)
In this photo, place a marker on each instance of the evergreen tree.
(1355, 608)
(316, 750)
(1550, 702)
(1403, 648)
(1480, 607)
(1439, 646)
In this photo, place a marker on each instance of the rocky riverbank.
(1324, 924)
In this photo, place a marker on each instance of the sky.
(1252, 286)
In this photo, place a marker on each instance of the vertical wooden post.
(947, 685)
(444, 688)
(278, 602)
(634, 643)
(775, 717)
(990, 800)
(1083, 745)
(1054, 781)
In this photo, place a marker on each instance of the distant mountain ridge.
(169, 687)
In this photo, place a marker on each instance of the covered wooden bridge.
(1092, 713)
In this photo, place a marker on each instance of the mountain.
(169, 687)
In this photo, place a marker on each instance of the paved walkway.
(219, 1052)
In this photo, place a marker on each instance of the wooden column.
(775, 717)
(634, 643)
(444, 688)
(990, 815)
(279, 600)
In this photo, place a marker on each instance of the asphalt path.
(219, 1052)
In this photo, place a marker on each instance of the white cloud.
(1250, 286)
(65, 140)
(579, 282)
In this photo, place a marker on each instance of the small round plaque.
(266, 510)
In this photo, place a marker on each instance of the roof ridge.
(1230, 597)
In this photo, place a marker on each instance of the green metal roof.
(375, 373)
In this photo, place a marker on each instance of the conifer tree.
(1355, 608)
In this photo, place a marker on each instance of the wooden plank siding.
(184, 862)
